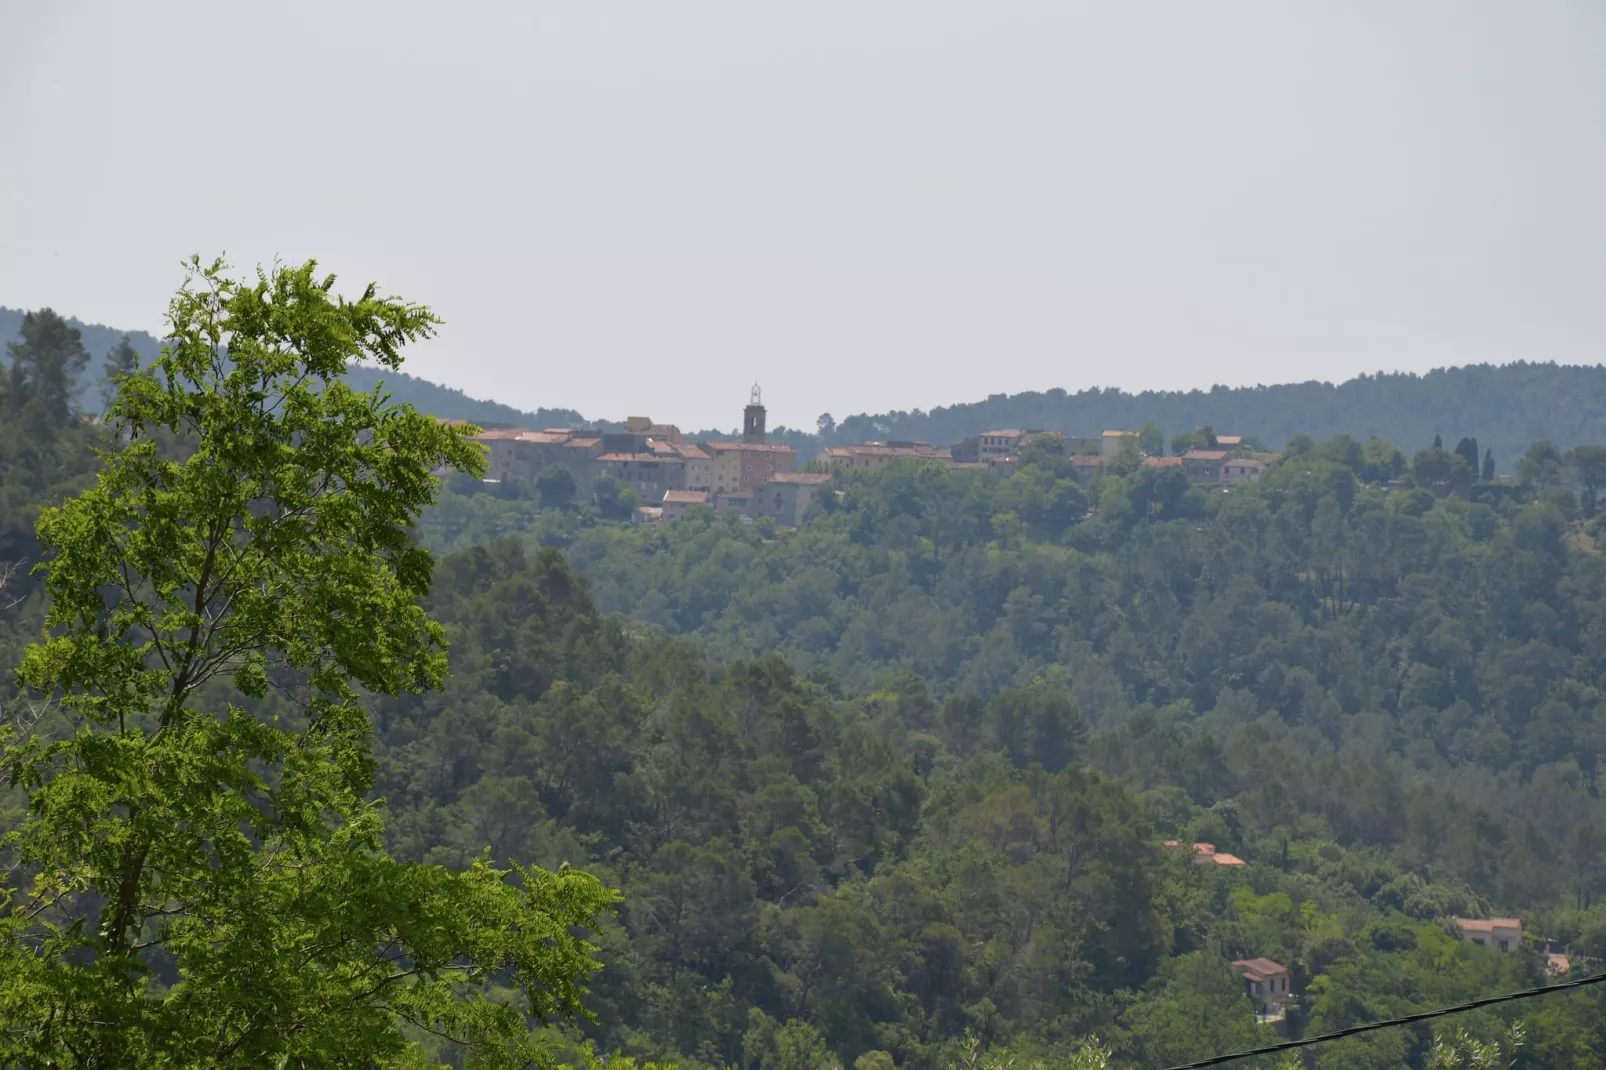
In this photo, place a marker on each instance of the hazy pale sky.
(643, 207)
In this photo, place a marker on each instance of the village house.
(676, 502)
(1206, 854)
(1004, 465)
(1001, 443)
(1267, 984)
(1085, 467)
(1503, 934)
(737, 501)
(874, 456)
(1242, 470)
(648, 474)
(1204, 466)
(1110, 442)
(746, 466)
(787, 496)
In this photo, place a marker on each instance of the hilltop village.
(756, 478)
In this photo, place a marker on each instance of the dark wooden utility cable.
(1420, 1016)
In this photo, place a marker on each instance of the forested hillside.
(1505, 407)
(906, 773)
(425, 396)
(1389, 702)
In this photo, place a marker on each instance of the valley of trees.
(890, 790)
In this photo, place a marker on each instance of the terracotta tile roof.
(502, 433)
(1163, 462)
(1120, 434)
(1229, 440)
(1259, 969)
(582, 443)
(1206, 455)
(1008, 432)
(811, 478)
(1222, 858)
(688, 497)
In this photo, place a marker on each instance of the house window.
(1505, 945)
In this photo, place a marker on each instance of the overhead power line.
(1420, 1016)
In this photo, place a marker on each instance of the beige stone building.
(787, 496)
(1267, 984)
(676, 502)
(1502, 934)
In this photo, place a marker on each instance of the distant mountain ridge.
(1505, 407)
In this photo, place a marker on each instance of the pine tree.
(121, 362)
(45, 364)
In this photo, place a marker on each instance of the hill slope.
(1505, 407)
(422, 394)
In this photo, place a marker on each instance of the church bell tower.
(753, 418)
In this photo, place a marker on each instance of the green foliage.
(196, 885)
(45, 364)
(615, 500)
(122, 361)
(1458, 1051)
(555, 486)
(899, 778)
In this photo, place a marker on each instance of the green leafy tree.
(555, 486)
(194, 884)
(1151, 440)
(1459, 1051)
(615, 500)
(1587, 464)
(1380, 461)
(121, 362)
(1200, 438)
(1541, 466)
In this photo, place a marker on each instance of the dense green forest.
(1388, 701)
(903, 775)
